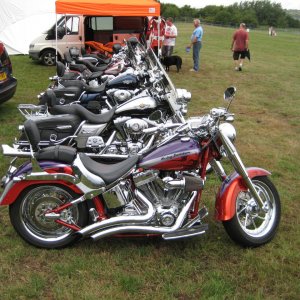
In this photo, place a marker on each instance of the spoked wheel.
(254, 224)
(27, 214)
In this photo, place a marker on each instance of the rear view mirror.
(229, 93)
(61, 31)
(156, 116)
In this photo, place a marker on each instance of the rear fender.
(13, 189)
(227, 194)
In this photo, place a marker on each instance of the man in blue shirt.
(196, 42)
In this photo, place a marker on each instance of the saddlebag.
(55, 127)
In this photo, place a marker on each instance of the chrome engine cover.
(167, 202)
(119, 95)
(134, 127)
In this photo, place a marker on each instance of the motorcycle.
(118, 132)
(61, 196)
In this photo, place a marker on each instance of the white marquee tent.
(21, 21)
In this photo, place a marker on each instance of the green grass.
(211, 267)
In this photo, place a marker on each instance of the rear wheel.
(48, 58)
(254, 224)
(27, 214)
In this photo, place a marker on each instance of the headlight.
(228, 130)
(183, 95)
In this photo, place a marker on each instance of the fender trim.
(233, 184)
(13, 190)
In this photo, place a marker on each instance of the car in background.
(8, 83)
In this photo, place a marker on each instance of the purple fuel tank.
(181, 154)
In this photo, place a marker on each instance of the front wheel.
(27, 214)
(48, 58)
(254, 224)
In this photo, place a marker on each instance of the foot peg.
(94, 215)
(203, 212)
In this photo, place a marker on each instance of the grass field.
(267, 108)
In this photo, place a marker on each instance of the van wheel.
(48, 58)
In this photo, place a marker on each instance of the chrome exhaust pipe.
(145, 228)
(123, 219)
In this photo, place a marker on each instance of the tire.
(26, 215)
(251, 226)
(48, 58)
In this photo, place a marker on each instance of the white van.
(76, 30)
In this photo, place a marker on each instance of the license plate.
(2, 76)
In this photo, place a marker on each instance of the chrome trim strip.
(49, 176)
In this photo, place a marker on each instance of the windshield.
(166, 85)
(65, 25)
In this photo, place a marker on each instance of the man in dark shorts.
(239, 46)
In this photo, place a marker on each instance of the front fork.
(240, 168)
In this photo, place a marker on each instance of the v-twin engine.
(160, 204)
(167, 194)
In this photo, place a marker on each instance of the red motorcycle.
(61, 195)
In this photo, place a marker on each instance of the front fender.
(13, 189)
(227, 194)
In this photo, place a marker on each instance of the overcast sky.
(285, 4)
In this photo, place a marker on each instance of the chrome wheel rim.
(256, 220)
(41, 200)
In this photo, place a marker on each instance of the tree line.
(253, 13)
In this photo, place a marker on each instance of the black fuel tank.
(125, 81)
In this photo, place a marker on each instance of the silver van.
(76, 30)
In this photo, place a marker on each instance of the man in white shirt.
(169, 38)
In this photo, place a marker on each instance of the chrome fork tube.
(218, 168)
(239, 166)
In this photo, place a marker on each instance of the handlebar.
(165, 127)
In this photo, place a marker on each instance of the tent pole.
(56, 38)
(158, 37)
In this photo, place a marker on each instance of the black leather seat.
(95, 75)
(78, 68)
(108, 172)
(60, 69)
(85, 87)
(59, 153)
(92, 67)
(83, 113)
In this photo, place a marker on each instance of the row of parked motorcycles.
(108, 151)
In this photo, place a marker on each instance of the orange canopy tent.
(125, 8)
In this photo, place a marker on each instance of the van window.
(129, 24)
(72, 25)
(102, 23)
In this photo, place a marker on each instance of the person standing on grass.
(196, 43)
(169, 38)
(239, 46)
